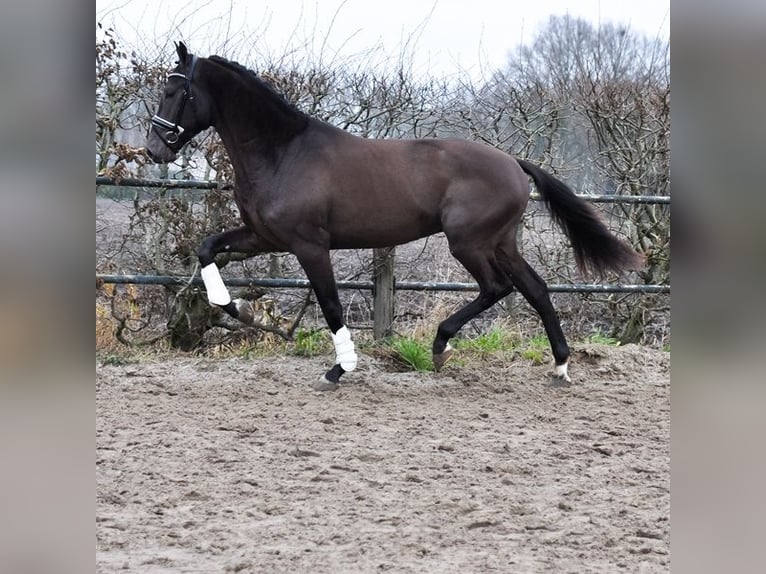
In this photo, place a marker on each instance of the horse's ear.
(183, 53)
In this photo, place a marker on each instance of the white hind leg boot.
(562, 372)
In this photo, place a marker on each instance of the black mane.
(278, 99)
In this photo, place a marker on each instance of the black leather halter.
(172, 130)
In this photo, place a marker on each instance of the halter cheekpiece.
(172, 129)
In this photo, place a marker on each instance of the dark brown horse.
(306, 187)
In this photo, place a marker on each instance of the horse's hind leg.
(494, 284)
(239, 240)
(535, 291)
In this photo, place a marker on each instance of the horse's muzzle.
(158, 151)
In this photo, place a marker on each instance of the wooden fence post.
(382, 291)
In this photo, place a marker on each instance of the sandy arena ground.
(236, 465)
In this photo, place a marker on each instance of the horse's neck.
(254, 129)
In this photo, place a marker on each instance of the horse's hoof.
(324, 384)
(441, 358)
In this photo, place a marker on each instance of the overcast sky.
(439, 37)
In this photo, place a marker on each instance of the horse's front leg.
(240, 240)
(315, 261)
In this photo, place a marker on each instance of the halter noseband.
(173, 129)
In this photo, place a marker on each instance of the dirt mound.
(236, 465)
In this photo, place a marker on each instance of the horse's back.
(429, 165)
(382, 192)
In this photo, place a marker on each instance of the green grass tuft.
(601, 339)
(414, 353)
(534, 349)
(493, 341)
(537, 356)
(116, 359)
(310, 342)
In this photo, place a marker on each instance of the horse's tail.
(595, 248)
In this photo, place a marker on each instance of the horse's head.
(183, 113)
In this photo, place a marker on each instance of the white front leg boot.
(217, 293)
(345, 355)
